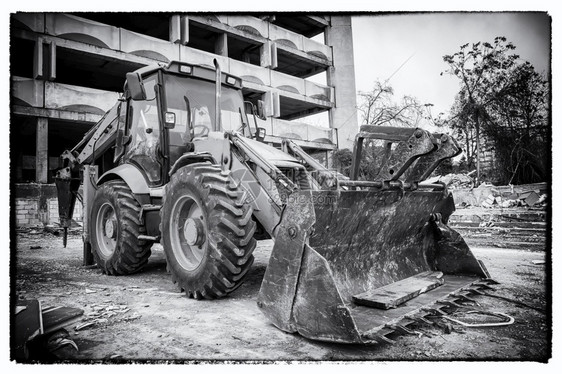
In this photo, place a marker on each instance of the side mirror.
(169, 120)
(260, 134)
(261, 109)
(135, 86)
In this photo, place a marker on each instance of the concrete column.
(268, 55)
(42, 151)
(178, 29)
(45, 60)
(272, 104)
(38, 59)
(175, 29)
(184, 30)
(341, 76)
(53, 61)
(221, 45)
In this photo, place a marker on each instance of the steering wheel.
(204, 132)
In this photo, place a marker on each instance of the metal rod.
(392, 184)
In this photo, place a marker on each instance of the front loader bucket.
(353, 266)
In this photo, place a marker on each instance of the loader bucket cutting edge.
(345, 264)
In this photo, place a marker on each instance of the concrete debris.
(542, 199)
(530, 198)
(454, 181)
(52, 230)
(490, 200)
(509, 203)
(103, 313)
(143, 289)
(490, 196)
(132, 317)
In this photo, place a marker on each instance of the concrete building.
(68, 69)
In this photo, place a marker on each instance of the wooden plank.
(394, 294)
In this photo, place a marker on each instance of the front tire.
(114, 229)
(206, 231)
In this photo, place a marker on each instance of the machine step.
(394, 294)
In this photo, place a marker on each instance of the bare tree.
(379, 108)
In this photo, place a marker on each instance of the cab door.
(145, 135)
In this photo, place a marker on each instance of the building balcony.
(61, 97)
(254, 76)
(90, 53)
(305, 24)
(29, 21)
(247, 24)
(82, 30)
(292, 40)
(148, 46)
(305, 135)
(282, 50)
(246, 33)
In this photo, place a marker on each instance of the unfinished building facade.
(67, 70)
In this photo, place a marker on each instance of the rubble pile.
(489, 196)
(102, 313)
(454, 181)
(527, 199)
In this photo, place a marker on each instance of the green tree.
(371, 160)
(342, 159)
(505, 101)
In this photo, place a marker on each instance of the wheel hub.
(110, 228)
(194, 231)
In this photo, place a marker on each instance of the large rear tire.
(206, 231)
(114, 229)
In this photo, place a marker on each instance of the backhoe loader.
(180, 160)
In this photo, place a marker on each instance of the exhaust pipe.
(217, 125)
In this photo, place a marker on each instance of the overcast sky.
(382, 43)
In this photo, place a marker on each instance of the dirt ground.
(151, 320)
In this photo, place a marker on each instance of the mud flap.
(334, 245)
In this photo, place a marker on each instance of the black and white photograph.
(308, 186)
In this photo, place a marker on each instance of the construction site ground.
(162, 324)
(151, 320)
